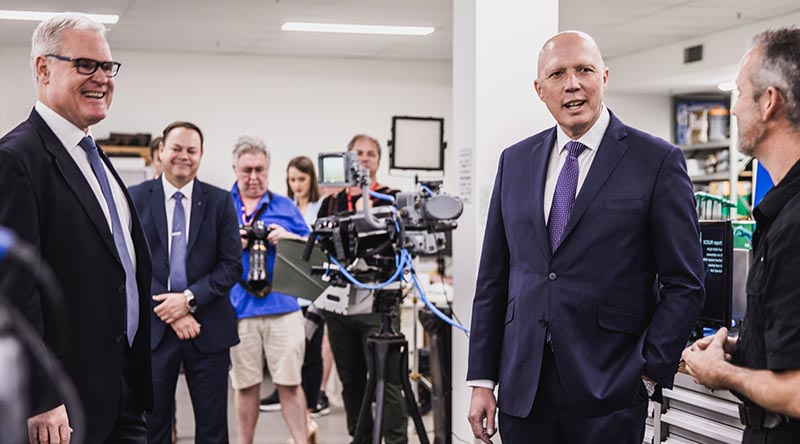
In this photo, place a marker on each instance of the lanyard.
(247, 221)
(372, 187)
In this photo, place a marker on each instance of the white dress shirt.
(592, 140)
(70, 135)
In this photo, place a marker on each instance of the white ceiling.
(626, 26)
(253, 26)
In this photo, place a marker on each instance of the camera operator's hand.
(51, 426)
(186, 327)
(243, 235)
(172, 308)
(277, 233)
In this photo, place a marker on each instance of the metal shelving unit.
(692, 414)
(710, 146)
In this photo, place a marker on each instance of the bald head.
(569, 39)
(572, 80)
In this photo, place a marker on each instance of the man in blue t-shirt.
(270, 327)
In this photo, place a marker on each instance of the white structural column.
(495, 49)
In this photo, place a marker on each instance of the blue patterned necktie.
(131, 288)
(177, 253)
(564, 196)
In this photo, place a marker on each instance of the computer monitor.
(716, 239)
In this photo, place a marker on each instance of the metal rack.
(692, 414)
(711, 207)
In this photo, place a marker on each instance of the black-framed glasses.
(88, 67)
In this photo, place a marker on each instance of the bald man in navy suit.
(591, 273)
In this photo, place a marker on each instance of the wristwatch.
(190, 300)
(650, 386)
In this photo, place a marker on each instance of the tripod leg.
(413, 409)
(365, 414)
(381, 350)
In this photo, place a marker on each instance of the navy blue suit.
(213, 265)
(48, 202)
(632, 230)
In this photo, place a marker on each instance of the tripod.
(388, 363)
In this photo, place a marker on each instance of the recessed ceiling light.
(357, 29)
(727, 86)
(38, 16)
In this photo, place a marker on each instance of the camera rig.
(373, 249)
(377, 243)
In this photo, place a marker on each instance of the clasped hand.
(706, 358)
(174, 311)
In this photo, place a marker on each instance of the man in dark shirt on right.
(763, 365)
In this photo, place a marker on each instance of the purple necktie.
(564, 196)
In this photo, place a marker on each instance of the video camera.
(258, 282)
(369, 243)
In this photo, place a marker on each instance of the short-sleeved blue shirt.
(278, 210)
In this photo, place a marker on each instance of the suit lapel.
(608, 155)
(76, 181)
(158, 212)
(199, 204)
(540, 159)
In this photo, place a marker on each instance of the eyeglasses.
(248, 171)
(88, 67)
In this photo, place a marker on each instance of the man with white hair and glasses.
(61, 194)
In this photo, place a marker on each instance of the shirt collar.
(170, 189)
(592, 138)
(66, 132)
(238, 198)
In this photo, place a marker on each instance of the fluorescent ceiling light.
(357, 29)
(727, 86)
(38, 16)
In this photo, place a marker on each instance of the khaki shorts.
(281, 339)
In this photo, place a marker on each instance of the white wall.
(300, 106)
(648, 112)
(661, 70)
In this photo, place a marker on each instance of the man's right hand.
(243, 236)
(51, 427)
(186, 327)
(482, 407)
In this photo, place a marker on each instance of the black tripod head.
(386, 303)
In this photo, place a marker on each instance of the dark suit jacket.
(213, 259)
(47, 201)
(633, 228)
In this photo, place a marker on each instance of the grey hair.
(779, 68)
(49, 35)
(249, 144)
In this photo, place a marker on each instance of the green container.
(743, 233)
(741, 209)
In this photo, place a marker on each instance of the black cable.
(30, 337)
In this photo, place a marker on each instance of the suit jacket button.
(118, 338)
(552, 276)
(121, 289)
